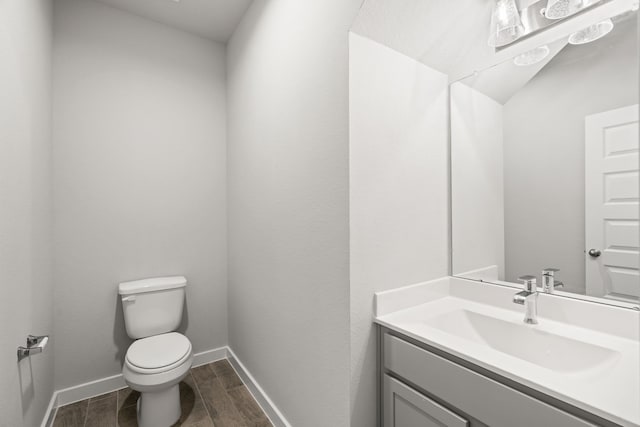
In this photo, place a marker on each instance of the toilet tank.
(152, 306)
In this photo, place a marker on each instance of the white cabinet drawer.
(486, 400)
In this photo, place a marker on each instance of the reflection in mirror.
(544, 151)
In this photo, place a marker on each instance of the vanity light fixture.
(558, 9)
(506, 25)
(532, 57)
(592, 32)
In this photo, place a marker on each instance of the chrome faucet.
(549, 283)
(529, 298)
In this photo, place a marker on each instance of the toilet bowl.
(159, 358)
(154, 366)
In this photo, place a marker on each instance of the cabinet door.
(405, 407)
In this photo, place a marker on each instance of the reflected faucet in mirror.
(549, 283)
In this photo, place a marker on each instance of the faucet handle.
(550, 271)
(529, 282)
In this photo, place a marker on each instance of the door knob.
(594, 253)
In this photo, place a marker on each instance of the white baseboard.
(116, 382)
(275, 416)
(90, 389)
(50, 414)
(209, 356)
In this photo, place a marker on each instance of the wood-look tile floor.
(211, 396)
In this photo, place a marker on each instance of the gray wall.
(139, 179)
(477, 182)
(398, 192)
(288, 204)
(25, 208)
(544, 152)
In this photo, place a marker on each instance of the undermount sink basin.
(526, 342)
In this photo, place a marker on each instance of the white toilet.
(159, 358)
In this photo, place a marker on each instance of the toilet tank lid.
(151, 285)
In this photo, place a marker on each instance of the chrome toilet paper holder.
(35, 345)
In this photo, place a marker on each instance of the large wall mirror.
(544, 153)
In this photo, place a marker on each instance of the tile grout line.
(86, 415)
(264, 413)
(195, 383)
(226, 393)
(242, 384)
(117, 406)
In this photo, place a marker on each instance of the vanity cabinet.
(423, 387)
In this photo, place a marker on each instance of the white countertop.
(610, 389)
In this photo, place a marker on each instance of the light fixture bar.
(533, 18)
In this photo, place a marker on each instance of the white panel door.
(612, 258)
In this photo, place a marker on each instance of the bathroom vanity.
(452, 353)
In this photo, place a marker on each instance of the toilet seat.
(158, 353)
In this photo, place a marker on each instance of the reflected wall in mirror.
(544, 152)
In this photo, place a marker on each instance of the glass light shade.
(506, 25)
(558, 9)
(531, 57)
(592, 32)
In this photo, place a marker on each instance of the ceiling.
(449, 36)
(212, 19)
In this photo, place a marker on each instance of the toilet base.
(159, 409)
